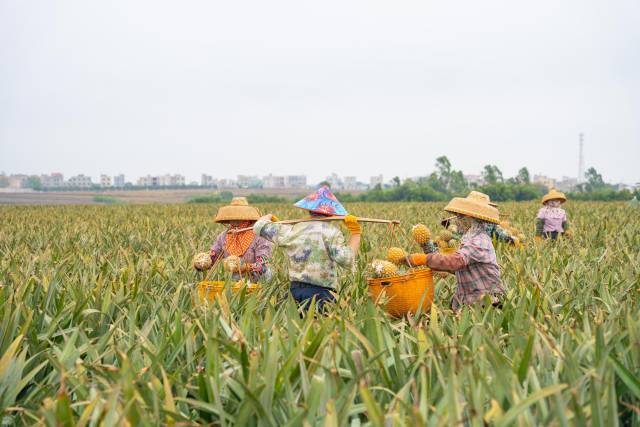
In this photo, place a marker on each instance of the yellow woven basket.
(406, 294)
(208, 290)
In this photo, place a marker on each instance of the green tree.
(523, 176)
(34, 182)
(396, 181)
(4, 181)
(594, 180)
(492, 174)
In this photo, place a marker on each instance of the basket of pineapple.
(208, 290)
(403, 288)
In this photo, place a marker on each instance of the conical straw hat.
(474, 208)
(322, 202)
(237, 210)
(482, 198)
(554, 194)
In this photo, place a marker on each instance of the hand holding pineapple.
(233, 264)
(202, 261)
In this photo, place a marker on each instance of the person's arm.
(341, 253)
(275, 233)
(351, 222)
(568, 232)
(502, 235)
(262, 253)
(218, 247)
(441, 262)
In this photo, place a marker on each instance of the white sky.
(356, 88)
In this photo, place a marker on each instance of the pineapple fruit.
(382, 269)
(420, 233)
(396, 255)
(202, 261)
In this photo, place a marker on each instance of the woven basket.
(208, 289)
(406, 294)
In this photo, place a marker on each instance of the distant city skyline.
(356, 88)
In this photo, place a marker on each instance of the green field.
(98, 327)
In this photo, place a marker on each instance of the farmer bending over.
(474, 263)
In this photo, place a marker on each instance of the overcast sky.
(300, 87)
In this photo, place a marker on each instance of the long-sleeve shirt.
(314, 250)
(475, 266)
(256, 256)
(551, 219)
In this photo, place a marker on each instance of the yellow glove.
(568, 234)
(351, 222)
(538, 239)
(274, 218)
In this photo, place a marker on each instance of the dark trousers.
(553, 235)
(304, 292)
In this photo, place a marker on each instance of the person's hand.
(538, 239)
(351, 222)
(418, 259)
(268, 218)
(568, 234)
(274, 218)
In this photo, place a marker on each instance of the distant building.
(376, 180)
(80, 181)
(166, 180)
(350, 183)
(295, 181)
(335, 182)
(622, 186)
(207, 181)
(272, 181)
(18, 181)
(545, 181)
(55, 180)
(567, 184)
(118, 181)
(105, 181)
(474, 180)
(247, 181)
(227, 183)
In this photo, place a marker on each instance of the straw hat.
(237, 210)
(482, 198)
(554, 194)
(473, 207)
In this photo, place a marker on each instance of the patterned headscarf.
(238, 243)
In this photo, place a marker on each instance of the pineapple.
(453, 243)
(446, 235)
(232, 263)
(453, 228)
(420, 233)
(202, 261)
(381, 268)
(442, 244)
(396, 255)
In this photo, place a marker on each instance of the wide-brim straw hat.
(482, 198)
(554, 194)
(237, 210)
(474, 208)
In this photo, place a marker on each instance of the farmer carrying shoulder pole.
(474, 263)
(551, 220)
(250, 253)
(315, 248)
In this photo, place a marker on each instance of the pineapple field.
(100, 325)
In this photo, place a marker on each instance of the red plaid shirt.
(476, 268)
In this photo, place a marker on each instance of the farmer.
(496, 231)
(254, 251)
(551, 221)
(315, 248)
(474, 263)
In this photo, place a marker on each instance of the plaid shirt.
(481, 274)
(474, 265)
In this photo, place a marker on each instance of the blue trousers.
(304, 292)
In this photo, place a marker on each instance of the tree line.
(446, 182)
